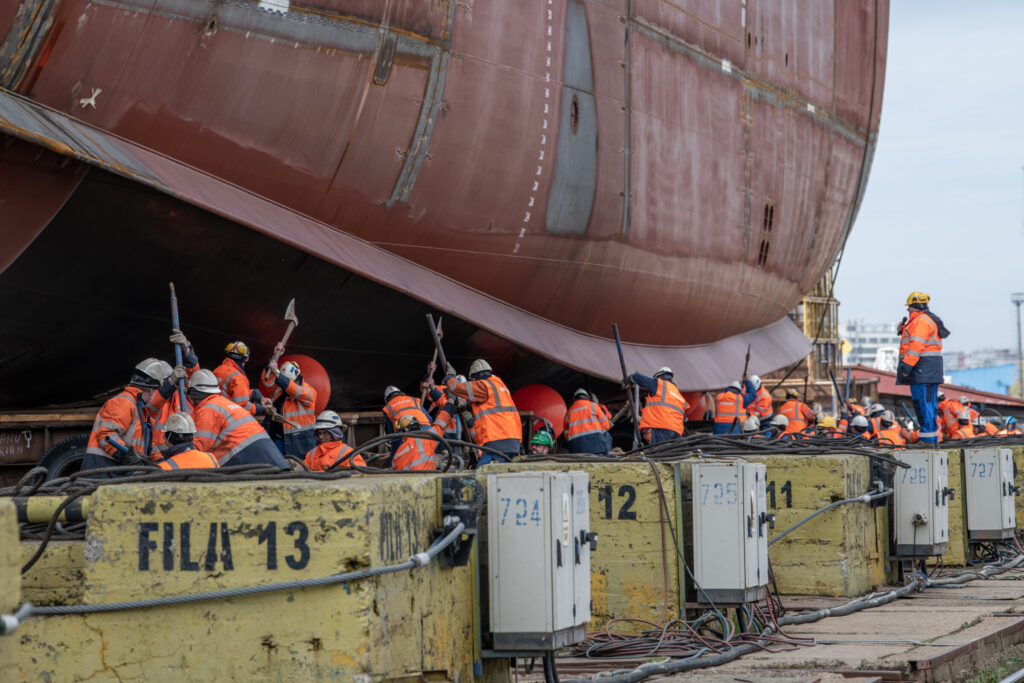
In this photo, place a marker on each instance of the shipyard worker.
(167, 400)
(226, 429)
(758, 401)
(779, 428)
(1009, 427)
(798, 414)
(966, 403)
(855, 408)
(181, 453)
(889, 433)
(859, 426)
(397, 404)
(434, 398)
(982, 427)
(495, 419)
(948, 410)
(964, 429)
(874, 412)
(729, 410)
(234, 383)
(827, 427)
(295, 402)
(920, 364)
(586, 426)
(751, 426)
(417, 453)
(664, 413)
(542, 442)
(122, 432)
(331, 450)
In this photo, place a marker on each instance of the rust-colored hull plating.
(686, 169)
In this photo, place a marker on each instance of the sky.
(943, 212)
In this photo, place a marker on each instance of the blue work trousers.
(926, 405)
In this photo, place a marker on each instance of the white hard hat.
(887, 417)
(876, 409)
(180, 423)
(664, 370)
(965, 400)
(736, 385)
(479, 365)
(391, 391)
(581, 393)
(327, 420)
(859, 421)
(780, 421)
(291, 370)
(755, 381)
(204, 382)
(751, 424)
(150, 373)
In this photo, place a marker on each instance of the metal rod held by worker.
(629, 395)
(846, 396)
(176, 324)
(907, 411)
(293, 322)
(839, 394)
(746, 363)
(433, 361)
(437, 342)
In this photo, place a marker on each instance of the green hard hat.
(543, 437)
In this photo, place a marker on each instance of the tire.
(65, 457)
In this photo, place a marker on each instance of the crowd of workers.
(221, 420)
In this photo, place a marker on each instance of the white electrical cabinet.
(988, 473)
(921, 514)
(730, 532)
(538, 550)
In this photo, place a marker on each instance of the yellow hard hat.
(827, 422)
(405, 422)
(918, 298)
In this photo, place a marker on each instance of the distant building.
(873, 345)
(996, 379)
(981, 358)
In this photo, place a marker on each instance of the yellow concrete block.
(58, 577)
(10, 587)
(956, 548)
(1018, 480)
(635, 570)
(151, 540)
(841, 552)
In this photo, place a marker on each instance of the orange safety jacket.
(665, 409)
(120, 419)
(417, 453)
(224, 427)
(920, 340)
(951, 409)
(1008, 432)
(326, 454)
(761, 406)
(963, 432)
(495, 416)
(796, 412)
(234, 384)
(585, 417)
(401, 404)
(164, 408)
(299, 404)
(857, 408)
(729, 407)
(990, 429)
(191, 459)
(891, 436)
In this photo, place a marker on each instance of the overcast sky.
(944, 205)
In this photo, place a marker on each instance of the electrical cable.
(414, 562)
(866, 498)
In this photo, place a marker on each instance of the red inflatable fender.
(697, 407)
(544, 402)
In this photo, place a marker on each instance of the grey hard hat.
(876, 409)
(150, 372)
(327, 420)
(479, 365)
(180, 423)
(204, 382)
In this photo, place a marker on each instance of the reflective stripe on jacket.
(585, 417)
(921, 348)
(417, 453)
(891, 436)
(224, 427)
(401, 404)
(164, 408)
(326, 454)
(761, 406)
(234, 384)
(729, 406)
(299, 404)
(798, 412)
(122, 418)
(191, 459)
(665, 409)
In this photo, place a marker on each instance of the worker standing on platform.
(664, 414)
(331, 450)
(729, 410)
(226, 429)
(123, 430)
(586, 426)
(234, 384)
(758, 401)
(495, 422)
(295, 402)
(398, 404)
(798, 414)
(434, 399)
(920, 365)
(181, 453)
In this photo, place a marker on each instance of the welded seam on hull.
(432, 96)
(627, 195)
(308, 30)
(761, 89)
